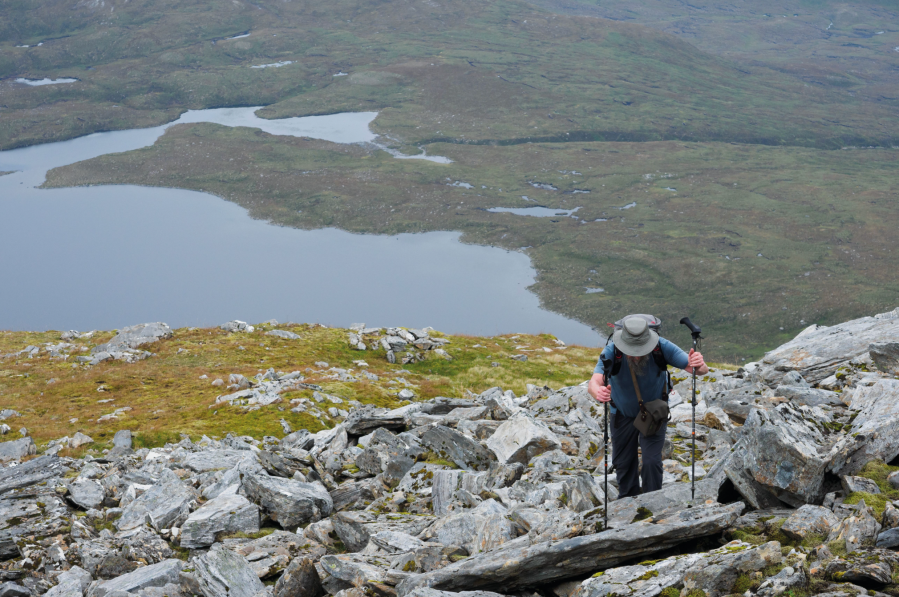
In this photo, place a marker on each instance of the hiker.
(638, 349)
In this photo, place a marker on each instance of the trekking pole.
(694, 331)
(605, 447)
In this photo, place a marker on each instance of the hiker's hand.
(695, 360)
(604, 394)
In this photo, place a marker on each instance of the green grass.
(168, 397)
(878, 472)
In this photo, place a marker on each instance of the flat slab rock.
(222, 573)
(713, 572)
(521, 438)
(156, 575)
(875, 431)
(512, 567)
(227, 513)
(163, 506)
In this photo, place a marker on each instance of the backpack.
(655, 324)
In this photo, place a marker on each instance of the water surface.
(104, 257)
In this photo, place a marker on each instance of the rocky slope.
(483, 495)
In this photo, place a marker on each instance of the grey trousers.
(625, 439)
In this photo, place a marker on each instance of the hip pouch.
(653, 415)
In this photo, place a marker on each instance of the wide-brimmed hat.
(635, 338)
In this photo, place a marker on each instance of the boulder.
(16, 449)
(864, 567)
(784, 454)
(71, 583)
(449, 444)
(286, 501)
(156, 575)
(122, 439)
(134, 336)
(227, 513)
(857, 530)
(518, 565)
(222, 573)
(86, 493)
(788, 579)
(300, 579)
(359, 570)
(11, 589)
(810, 520)
(889, 539)
(874, 434)
(162, 506)
(885, 356)
(356, 528)
(365, 420)
(853, 484)
(521, 438)
(271, 554)
(285, 334)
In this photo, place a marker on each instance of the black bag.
(652, 414)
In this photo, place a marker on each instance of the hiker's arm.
(597, 388)
(696, 362)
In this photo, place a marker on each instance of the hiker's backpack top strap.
(616, 362)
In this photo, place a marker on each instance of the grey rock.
(783, 454)
(544, 523)
(285, 334)
(788, 578)
(283, 465)
(885, 356)
(852, 484)
(443, 486)
(86, 493)
(286, 501)
(236, 326)
(465, 414)
(479, 529)
(360, 570)
(300, 579)
(271, 554)
(394, 542)
(521, 438)
(16, 449)
(223, 573)
(134, 336)
(889, 539)
(11, 589)
(71, 583)
(33, 472)
(713, 572)
(515, 566)
(817, 353)
(215, 460)
(365, 420)
(449, 444)
(428, 592)
(893, 479)
(156, 575)
(865, 567)
(810, 520)
(356, 528)
(162, 506)
(875, 431)
(857, 530)
(809, 396)
(227, 513)
(80, 439)
(122, 439)
(443, 406)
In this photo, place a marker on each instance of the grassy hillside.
(167, 397)
(502, 71)
(753, 242)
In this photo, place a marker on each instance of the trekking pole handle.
(695, 330)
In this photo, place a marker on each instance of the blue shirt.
(652, 385)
